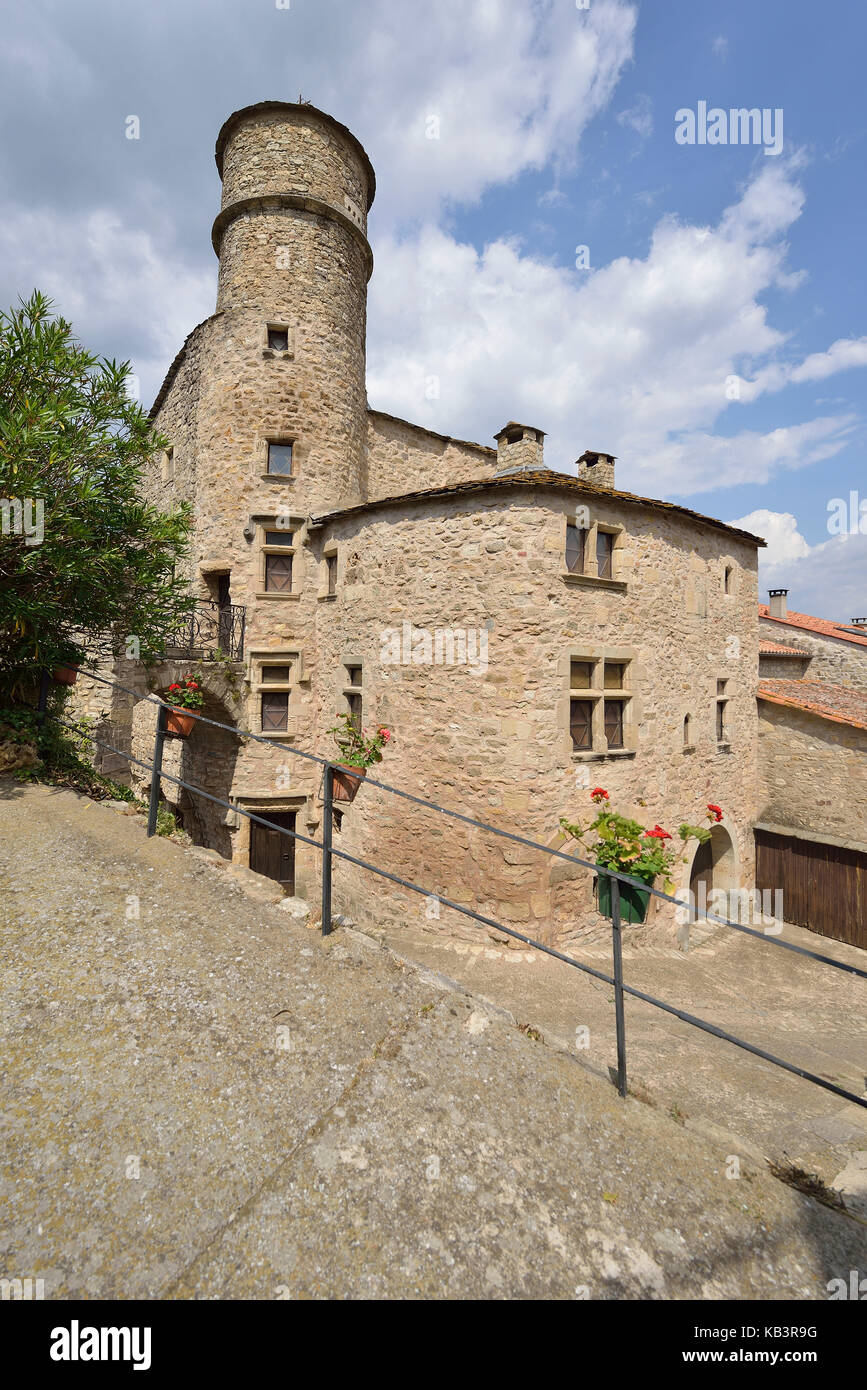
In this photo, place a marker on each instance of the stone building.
(810, 835)
(525, 634)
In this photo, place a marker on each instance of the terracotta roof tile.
(838, 702)
(777, 649)
(825, 627)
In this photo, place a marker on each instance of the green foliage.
(72, 439)
(63, 753)
(627, 847)
(357, 748)
(166, 822)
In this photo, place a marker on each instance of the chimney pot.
(519, 449)
(595, 467)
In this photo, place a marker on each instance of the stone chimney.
(596, 468)
(777, 608)
(519, 449)
(860, 622)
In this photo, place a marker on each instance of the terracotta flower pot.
(345, 784)
(65, 675)
(179, 722)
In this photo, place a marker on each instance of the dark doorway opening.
(271, 853)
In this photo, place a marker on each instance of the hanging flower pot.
(633, 901)
(345, 781)
(365, 749)
(65, 675)
(179, 723)
(184, 695)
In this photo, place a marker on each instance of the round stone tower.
(292, 303)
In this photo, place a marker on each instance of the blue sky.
(555, 129)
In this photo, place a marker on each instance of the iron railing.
(211, 630)
(329, 853)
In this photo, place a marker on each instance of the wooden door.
(271, 853)
(824, 887)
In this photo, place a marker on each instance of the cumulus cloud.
(636, 357)
(828, 580)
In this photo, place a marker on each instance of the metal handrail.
(329, 852)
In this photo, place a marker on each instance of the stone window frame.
(688, 737)
(281, 354)
(348, 663)
(330, 551)
(285, 437)
(596, 693)
(257, 659)
(264, 524)
(722, 700)
(588, 576)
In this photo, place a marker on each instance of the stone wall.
(839, 662)
(406, 458)
(812, 773)
(495, 742)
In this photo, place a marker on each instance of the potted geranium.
(629, 848)
(66, 671)
(358, 751)
(183, 695)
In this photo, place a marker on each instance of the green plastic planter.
(633, 901)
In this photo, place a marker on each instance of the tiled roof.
(838, 702)
(823, 626)
(534, 478)
(777, 649)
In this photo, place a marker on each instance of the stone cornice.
(268, 202)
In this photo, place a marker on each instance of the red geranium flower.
(715, 811)
(599, 794)
(657, 833)
(174, 687)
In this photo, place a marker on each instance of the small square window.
(353, 675)
(278, 573)
(581, 675)
(721, 687)
(280, 459)
(614, 675)
(279, 538)
(278, 339)
(331, 573)
(275, 711)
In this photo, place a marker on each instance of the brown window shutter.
(278, 573)
(581, 723)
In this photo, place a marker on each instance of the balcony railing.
(212, 630)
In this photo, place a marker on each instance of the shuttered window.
(604, 554)
(275, 711)
(581, 723)
(278, 573)
(576, 540)
(614, 723)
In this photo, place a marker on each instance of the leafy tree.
(109, 564)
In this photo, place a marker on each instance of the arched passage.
(713, 870)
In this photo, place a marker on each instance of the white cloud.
(638, 117)
(634, 357)
(828, 580)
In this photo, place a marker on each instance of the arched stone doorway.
(714, 869)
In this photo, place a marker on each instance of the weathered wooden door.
(824, 887)
(271, 853)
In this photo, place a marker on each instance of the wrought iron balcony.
(211, 631)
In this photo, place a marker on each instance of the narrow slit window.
(687, 734)
(721, 721)
(727, 579)
(331, 573)
(353, 706)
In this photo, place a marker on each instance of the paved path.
(202, 1099)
